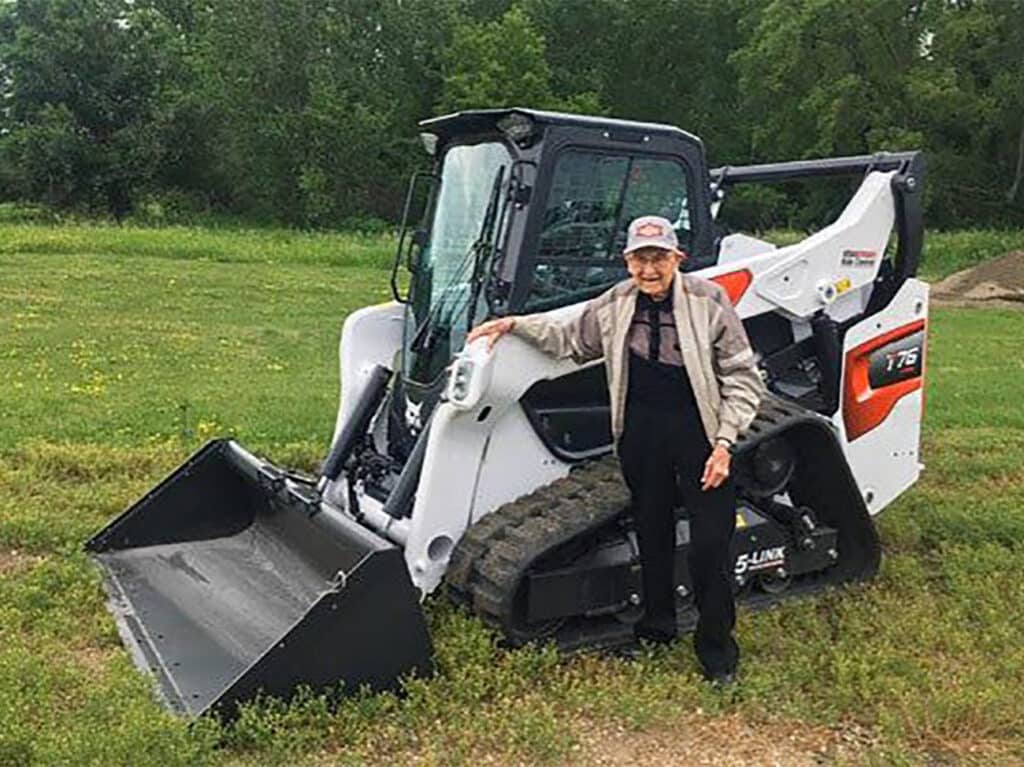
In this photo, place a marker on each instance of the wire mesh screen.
(593, 198)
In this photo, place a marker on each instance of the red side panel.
(735, 283)
(878, 373)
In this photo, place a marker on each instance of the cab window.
(593, 198)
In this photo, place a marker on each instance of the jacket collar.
(626, 293)
(644, 301)
(678, 291)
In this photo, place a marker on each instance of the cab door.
(590, 184)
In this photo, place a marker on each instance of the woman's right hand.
(492, 330)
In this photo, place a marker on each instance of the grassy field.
(122, 350)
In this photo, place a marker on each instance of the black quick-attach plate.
(226, 580)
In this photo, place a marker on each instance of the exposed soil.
(94, 660)
(13, 561)
(999, 282)
(728, 740)
(695, 740)
(722, 740)
(973, 753)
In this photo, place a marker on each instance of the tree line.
(304, 112)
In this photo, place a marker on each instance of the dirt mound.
(1000, 281)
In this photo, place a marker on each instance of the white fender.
(369, 337)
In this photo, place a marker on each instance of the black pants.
(659, 452)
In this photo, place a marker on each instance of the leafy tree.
(503, 63)
(378, 74)
(660, 60)
(305, 111)
(318, 100)
(833, 77)
(82, 83)
(969, 88)
(828, 77)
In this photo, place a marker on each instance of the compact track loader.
(491, 474)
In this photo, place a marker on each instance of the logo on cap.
(650, 229)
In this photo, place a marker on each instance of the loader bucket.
(230, 578)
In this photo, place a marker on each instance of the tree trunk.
(1011, 195)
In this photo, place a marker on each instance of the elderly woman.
(683, 384)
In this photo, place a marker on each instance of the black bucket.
(230, 579)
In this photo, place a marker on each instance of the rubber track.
(494, 555)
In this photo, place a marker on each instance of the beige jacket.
(717, 355)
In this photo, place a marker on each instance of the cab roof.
(485, 121)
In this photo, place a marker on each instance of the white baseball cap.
(651, 232)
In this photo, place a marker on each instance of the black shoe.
(653, 636)
(722, 681)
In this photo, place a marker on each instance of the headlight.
(461, 377)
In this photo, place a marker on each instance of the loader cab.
(527, 211)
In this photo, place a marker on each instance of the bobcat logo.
(412, 415)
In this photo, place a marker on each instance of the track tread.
(495, 553)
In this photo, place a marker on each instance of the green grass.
(186, 243)
(23, 231)
(128, 336)
(122, 350)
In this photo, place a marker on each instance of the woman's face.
(652, 269)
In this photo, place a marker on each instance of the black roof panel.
(485, 120)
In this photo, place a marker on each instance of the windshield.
(462, 234)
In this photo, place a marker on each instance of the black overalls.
(664, 446)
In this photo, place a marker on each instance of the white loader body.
(482, 451)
